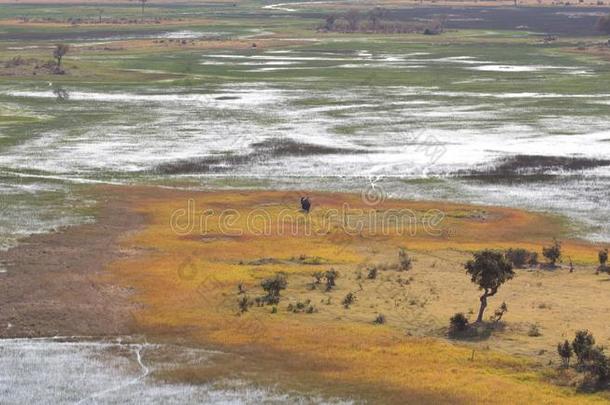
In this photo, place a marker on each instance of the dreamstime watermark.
(282, 221)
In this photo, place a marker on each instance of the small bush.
(553, 252)
(317, 277)
(565, 352)
(330, 276)
(244, 303)
(272, 287)
(597, 367)
(458, 323)
(349, 299)
(404, 260)
(591, 359)
(603, 259)
(379, 319)
(301, 307)
(582, 344)
(534, 331)
(372, 274)
(521, 257)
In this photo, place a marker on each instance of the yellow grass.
(186, 283)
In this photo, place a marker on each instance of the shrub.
(553, 252)
(317, 277)
(565, 352)
(591, 359)
(379, 319)
(301, 307)
(596, 365)
(521, 257)
(372, 274)
(272, 287)
(330, 276)
(603, 259)
(458, 323)
(244, 304)
(349, 299)
(582, 344)
(404, 260)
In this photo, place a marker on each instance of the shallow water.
(53, 371)
(466, 120)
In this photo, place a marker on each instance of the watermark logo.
(373, 195)
(280, 221)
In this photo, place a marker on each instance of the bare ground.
(53, 284)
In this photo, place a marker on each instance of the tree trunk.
(482, 308)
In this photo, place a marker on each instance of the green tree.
(59, 52)
(272, 287)
(489, 270)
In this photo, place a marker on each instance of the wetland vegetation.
(456, 233)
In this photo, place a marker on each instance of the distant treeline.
(603, 24)
(377, 21)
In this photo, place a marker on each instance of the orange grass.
(186, 284)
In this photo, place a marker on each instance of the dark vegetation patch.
(534, 166)
(550, 20)
(288, 147)
(557, 20)
(261, 151)
(264, 261)
(18, 65)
